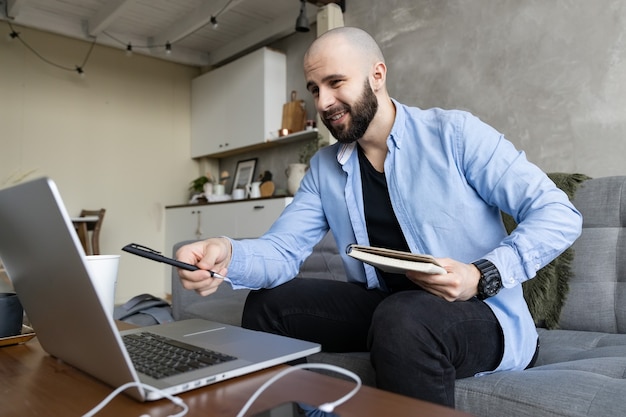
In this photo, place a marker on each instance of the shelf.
(285, 197)
(297, 137)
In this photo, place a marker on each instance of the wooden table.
(32, 383)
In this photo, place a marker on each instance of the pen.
(154, 255)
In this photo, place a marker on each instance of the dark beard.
(362, 112)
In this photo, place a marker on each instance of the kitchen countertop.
(227, 201)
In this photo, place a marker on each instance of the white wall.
(118, 139)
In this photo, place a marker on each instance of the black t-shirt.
(382, 225)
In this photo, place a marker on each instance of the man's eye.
(335, 83)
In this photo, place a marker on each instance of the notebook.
(46, 263)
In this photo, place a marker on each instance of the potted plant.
(202, 187)
(309, 149)
(197, 186)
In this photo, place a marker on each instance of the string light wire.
(168, 45)
(80, 69)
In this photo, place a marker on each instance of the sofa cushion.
(597, 287)
(576, 390)
(571, 345)
(324, 262)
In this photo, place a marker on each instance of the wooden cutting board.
(294, 114)
(267, 188)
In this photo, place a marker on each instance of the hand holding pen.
(154, 255)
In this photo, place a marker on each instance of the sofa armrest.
(324, 262)
(224, 306)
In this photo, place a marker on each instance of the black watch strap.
(490, 281)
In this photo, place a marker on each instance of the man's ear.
(379, 76)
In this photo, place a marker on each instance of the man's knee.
(405, 320)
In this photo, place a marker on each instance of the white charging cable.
(326, 407)
(179, 402)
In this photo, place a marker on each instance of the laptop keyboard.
(160, 357)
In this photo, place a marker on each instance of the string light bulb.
(129, 49)
(168, 48)
(13, 35)
(80, 71)
(214, 22)
(302, 22)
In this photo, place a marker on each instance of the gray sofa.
(581, 367)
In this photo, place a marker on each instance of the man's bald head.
(345, 72)
(354, 38)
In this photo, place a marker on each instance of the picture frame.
(244, 174)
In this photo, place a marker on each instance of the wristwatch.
(490, 281)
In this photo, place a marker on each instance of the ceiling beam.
(106, 15)
(190, 23)
(340, 3)
(280, 27)
(13, 7)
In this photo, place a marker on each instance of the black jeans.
(418, 343)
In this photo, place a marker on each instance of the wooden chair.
(91, 246)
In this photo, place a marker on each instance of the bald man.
(425, 181)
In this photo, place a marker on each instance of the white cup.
(208, 189)
(238, 194)
(218, 189)
(103, 272)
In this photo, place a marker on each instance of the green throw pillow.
(546, 293)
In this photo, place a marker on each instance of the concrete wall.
(550, 75)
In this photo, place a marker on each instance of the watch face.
(492, 287)
(490, 281)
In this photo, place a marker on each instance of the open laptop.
(46, 263)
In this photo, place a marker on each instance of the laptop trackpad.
(243, 343)
(214, 338)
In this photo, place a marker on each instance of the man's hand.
(459, 284)
(211, 254)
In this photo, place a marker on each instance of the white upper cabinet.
(239, 104)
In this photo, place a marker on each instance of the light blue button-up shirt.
(449, 175)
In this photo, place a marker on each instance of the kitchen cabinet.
(239, 104)
(235, 219)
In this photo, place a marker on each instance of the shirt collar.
(399, 126)
(345, 150)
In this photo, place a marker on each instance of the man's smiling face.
(338, 80)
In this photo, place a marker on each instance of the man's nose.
(325, 100)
